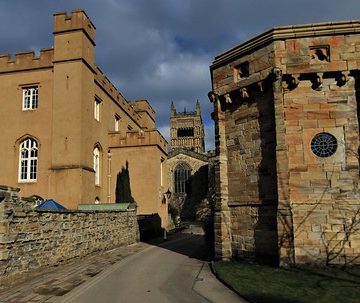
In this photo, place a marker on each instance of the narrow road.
(163, 273)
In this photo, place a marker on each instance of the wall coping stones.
(122, 207)
(287, 32)
(9, 188)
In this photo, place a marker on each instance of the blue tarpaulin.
(50, 204)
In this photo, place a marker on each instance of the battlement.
(144, 106)
(137, 138)
(26, 60)
(78, 20)
(185, 113)
(112, 91)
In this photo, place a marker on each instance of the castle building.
(187, 163)
(286, 107)
(67, 131)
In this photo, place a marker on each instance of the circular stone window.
(324, 145)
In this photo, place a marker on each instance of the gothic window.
(30, 98)
(182, 175)
(28, 160)
(97, 165)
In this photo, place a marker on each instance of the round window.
(324, 145)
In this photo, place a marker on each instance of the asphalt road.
(163, 273)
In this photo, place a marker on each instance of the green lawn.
(260, 283)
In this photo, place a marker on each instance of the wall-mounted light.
(168, 194)
(166, 197)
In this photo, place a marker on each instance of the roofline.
(190, 153)
(288, 32)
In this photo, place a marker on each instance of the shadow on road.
(185, 243)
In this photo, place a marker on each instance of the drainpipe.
(109, 176)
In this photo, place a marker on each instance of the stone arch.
(24, 137)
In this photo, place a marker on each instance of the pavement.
(50, 284)
(57, 283)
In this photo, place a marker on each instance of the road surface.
(168, 272)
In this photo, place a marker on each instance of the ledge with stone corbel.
(252, 87)
(247, 89)
(291, 81)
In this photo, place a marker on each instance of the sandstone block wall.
(327, 233)
(272, 95)
(249, 146)
(250, 142)
(30, 239)
(323, 191)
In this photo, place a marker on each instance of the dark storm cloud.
(161, 49)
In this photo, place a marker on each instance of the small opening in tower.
(320, 53)
(185, 132)
(241, 71)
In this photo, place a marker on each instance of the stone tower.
(187, 129)
(287, 113)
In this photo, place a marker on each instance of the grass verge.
(261, 283)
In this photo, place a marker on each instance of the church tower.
(187, 129)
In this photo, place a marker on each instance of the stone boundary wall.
(30, 239)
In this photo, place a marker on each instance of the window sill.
(26, 181)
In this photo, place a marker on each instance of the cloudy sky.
(161, 50)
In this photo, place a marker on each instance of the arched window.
(182, 174)
(97, 165)
(28, 160)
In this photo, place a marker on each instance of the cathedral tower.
(187, 129)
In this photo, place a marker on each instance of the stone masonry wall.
(250, 141)
(30, 239)
(272, 95)
(247, 153)
(323, 191)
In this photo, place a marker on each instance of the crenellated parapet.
(78, 20)
(144, 106)
(136, 110)
(137, 139)
(27, 60)
(106, 85)
(146, 112)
